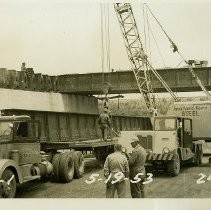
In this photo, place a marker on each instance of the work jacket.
(137, 159)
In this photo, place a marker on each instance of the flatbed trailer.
(99, 148)
(78, 145)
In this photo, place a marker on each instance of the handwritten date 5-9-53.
(120, 176)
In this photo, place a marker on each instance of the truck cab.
(169, 144)
(19, 152)
(172, 144)
(177, 127)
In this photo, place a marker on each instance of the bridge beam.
(180, 80)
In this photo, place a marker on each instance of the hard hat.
(134, 139)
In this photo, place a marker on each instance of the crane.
(137, 57)
(179, 145)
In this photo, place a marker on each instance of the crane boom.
(138, 59)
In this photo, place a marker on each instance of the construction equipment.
(189, 63)
(51, 147)
(24, 158)
(137, 57)
(171, 142)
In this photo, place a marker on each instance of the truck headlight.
(166, 150)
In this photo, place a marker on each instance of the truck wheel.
(8, 190)
(66, 167)
(55, 163)
(101, 157)
(79, 164)
(174, 166)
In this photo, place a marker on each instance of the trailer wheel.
(8, 184)
(79, 164)
(101, 155)
(174, 166)
(100, 159)
(66, 167)
(55, 163)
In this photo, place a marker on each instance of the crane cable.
(102, 42)
(105, 49)
(175, 49)
(150, 31)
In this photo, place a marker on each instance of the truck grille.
(145, 141)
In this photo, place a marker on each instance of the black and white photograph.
(105, 99)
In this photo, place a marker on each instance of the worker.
(136, 165)
(23, 66)
(116, 163)
(104, 124)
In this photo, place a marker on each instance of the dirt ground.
(183, 186)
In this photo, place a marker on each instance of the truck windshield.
(165, 124)
(5, 130)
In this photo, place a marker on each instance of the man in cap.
(104, 123)
(116, 163)
(136, 164)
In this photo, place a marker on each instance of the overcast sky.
(62, 38)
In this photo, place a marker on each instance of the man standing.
(104, 123)
(136, 164)
(116, 164)
(23, 66)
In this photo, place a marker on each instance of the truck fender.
(8, 163)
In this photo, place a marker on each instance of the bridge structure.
(68, 99)
(120, 82)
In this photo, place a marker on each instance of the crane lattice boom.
(138, 59)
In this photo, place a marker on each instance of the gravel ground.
(183, 186)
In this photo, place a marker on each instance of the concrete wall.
(47, 101)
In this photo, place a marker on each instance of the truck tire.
(101, 157)
(8, 190)
(78, 159)
(174, 166)
(66, 167)
(55, 163)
